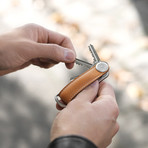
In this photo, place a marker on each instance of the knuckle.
(29, 27)
(32, 25)
(114, 109)
(66, 39)
(66, 42)
(117, 127)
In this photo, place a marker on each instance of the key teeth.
(94, 61)
(83, 63)
(78, 64)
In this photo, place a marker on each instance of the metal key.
(83, 63)
(97, 70)
(100, 65)
(94, 54)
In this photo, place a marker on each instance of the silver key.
(83, 63)
(100, 65)
(97, 63)
(94, 54)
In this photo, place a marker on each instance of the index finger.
(63, 41)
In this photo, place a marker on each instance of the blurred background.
(118, 29)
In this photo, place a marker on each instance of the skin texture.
(89, 116)
(93, 112)
(33, 44)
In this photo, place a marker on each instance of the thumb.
(89, 93)
(54, 52)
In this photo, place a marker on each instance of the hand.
(33, 44)
(89, 116)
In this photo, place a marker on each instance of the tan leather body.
(79, 83)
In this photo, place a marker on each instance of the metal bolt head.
(102, 66)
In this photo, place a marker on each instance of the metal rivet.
(102, 66)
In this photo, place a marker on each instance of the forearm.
(71, 141)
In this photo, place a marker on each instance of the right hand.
(34, 44)
(89, 116)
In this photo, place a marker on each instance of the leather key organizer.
(99, 72)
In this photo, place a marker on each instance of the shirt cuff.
(71, 141)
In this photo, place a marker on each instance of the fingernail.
(69, 56)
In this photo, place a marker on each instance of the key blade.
(94, 54)
(83, 63)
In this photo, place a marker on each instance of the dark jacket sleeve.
(71, 141)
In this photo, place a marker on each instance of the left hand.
(91, 114)
(33, 44)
